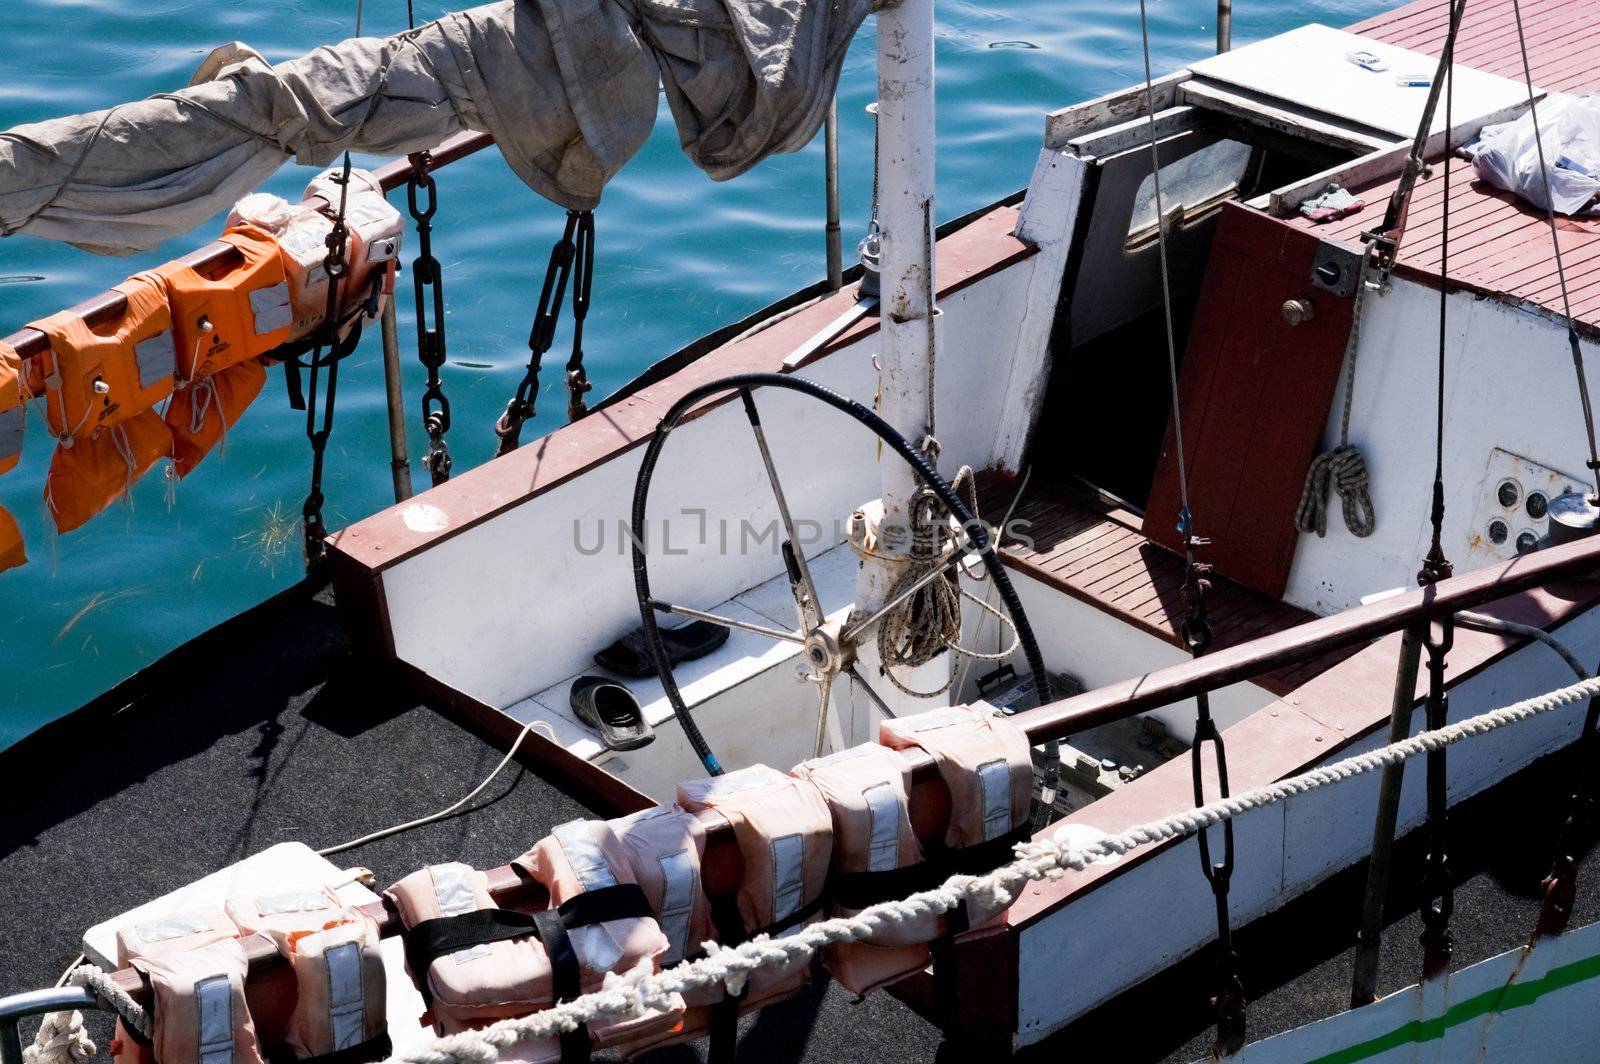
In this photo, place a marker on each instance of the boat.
(1233, 464)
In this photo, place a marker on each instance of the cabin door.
(1255, 391)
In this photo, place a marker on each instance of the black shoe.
(630, 655)
(610, 709)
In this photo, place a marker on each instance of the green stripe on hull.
(1501, 999)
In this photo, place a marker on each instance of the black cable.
(1435, 566)
(977, 533)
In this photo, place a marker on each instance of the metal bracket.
(1336, 269)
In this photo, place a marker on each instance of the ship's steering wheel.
(829, 647)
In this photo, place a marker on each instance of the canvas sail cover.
(567, 88)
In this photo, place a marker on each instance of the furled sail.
(567, 88)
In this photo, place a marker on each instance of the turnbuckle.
(1438, 891)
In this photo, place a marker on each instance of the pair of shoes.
(610, 709)
(630, 655)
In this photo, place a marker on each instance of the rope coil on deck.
(641, 990)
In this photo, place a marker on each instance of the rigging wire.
(1436, 566)
(1184, 518)
(1437, 881)
(1196, 631)
(1555, 244)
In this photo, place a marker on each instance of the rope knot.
(1343, 469)
(61, 1039)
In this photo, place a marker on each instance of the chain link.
(583, 283)
(1438, 892)
(312, 523)
(428, 287)
(572, 255)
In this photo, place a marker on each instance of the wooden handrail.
(216, 256)
(1304, 642)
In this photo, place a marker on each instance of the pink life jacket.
(664, 846)
(196, 969)
(334, 953)
(582, 863)
(785, 836)
(986, 763)
(476, 963)
(876, 856)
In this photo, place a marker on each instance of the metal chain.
(428, 281)
(1438, 892)
(563, 256)
(334, 265)
(583, 270)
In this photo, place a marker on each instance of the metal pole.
(1364, 984)
(399, 458)
(1224, 25)
(905, 195)
(830, 149)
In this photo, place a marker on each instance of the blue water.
(678, 256)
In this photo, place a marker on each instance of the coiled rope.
(640, 990)
(929, 622)
(1343, 469)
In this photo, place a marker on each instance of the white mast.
(905, 210)
(905, 217)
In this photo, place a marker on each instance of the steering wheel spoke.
(877, 699)
(855, 630)
(808, 606)
(726, 622)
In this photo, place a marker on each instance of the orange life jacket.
(236, 316)
(105, 375)
(101, 385)
(88, 475)
(12, 414)
(12, 410)
(12, 552)
(221, 327)
(200, 415)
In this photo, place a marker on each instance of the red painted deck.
(1095, 552)
(1498, 244)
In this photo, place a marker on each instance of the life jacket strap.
(444, 935)
(367, 1052)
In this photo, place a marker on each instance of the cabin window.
(1192, 187)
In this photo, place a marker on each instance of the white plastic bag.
(1505, 154)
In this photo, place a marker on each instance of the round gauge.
(1509, 493)
(1526, 541)
(1498, 532)
(1537, 505)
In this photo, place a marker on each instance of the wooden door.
(1254, 394)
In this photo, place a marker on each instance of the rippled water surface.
(677, 256)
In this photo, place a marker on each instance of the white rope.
(104, 987)
(61, 1040)
(642, 990)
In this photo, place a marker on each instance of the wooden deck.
(1093, 550)
(1499, 245)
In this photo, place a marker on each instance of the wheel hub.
(825, 652)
